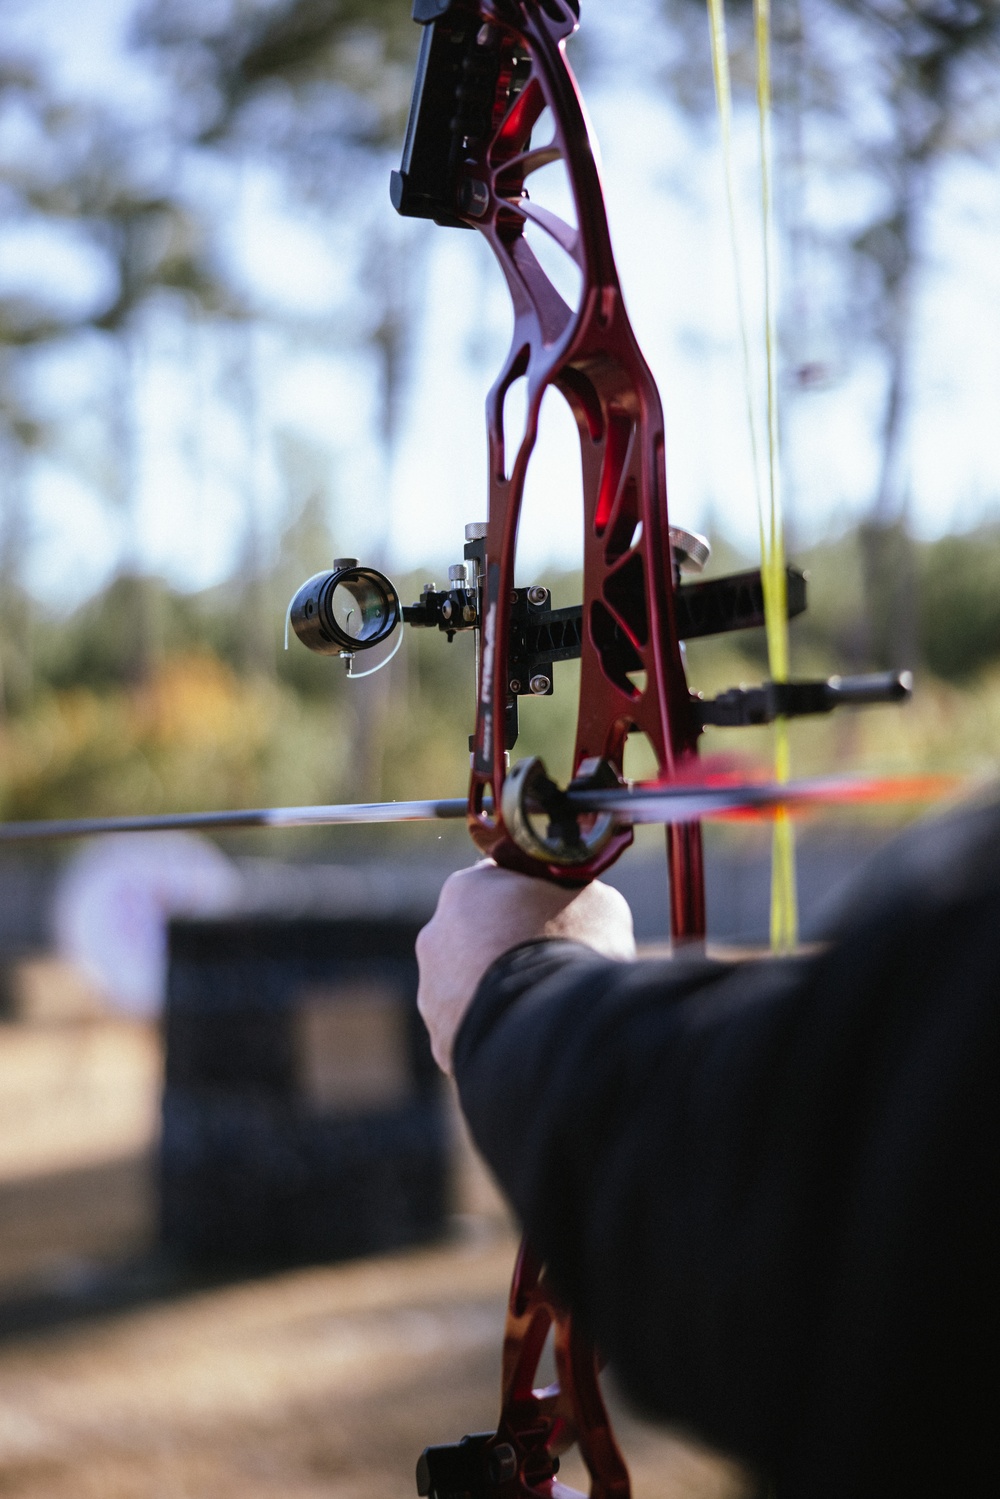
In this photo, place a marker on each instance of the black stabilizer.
(744, 707)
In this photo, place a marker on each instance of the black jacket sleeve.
(769, 1189)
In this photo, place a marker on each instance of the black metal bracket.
(451, 610)
(540, 636)
(735, 602)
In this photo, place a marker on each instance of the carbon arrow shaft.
(263, 817)
(678, 803)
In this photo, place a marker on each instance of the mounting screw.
(514, 685)
(474, 198)
(447, 609)
(538, 595)
(540, 684)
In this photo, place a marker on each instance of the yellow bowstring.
(784, 913)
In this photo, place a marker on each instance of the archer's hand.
(485, 911)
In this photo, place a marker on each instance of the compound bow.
(488, 72)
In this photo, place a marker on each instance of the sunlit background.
(224, 361)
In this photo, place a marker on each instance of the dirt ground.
(122, 1379)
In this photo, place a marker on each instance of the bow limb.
(632, 675)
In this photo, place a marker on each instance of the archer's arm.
(770, 1190)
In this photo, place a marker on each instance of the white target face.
(114, 900)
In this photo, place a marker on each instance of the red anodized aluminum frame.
(541, 1423)
(591, 356)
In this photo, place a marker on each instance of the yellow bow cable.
(784, 914)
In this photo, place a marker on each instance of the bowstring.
(784, 913)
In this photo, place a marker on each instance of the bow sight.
(345, 610)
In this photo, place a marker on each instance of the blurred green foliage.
(146, 698)
(211, 725)
(960, 603)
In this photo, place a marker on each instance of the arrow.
(678, 802)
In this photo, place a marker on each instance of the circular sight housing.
(346, 609)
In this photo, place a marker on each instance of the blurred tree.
(321, 83)
(155, 245)
(19, 435)
(24, 324)
(933, 62)
(78, 172)
(319, 88)
(316, 88)
(893, 89)
(242, 381)
(959, 619)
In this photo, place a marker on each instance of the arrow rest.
(543, 824)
